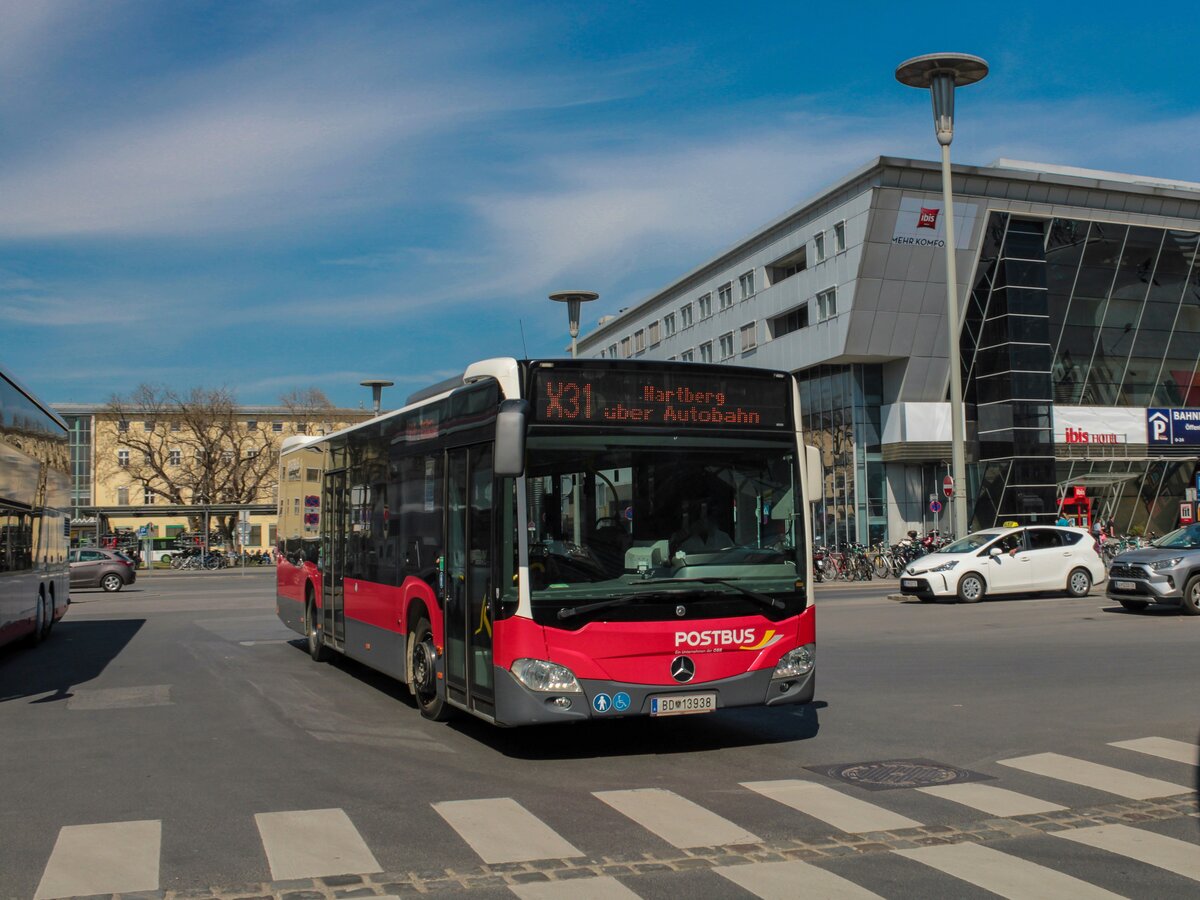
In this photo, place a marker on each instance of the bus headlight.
(796, 662)
(541, 675)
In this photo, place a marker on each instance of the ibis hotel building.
(1079, 293)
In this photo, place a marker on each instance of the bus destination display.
(570, 396)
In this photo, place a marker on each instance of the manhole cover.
(889, 774)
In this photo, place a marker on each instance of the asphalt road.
(183, 709)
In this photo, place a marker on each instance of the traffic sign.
(935, 506)
(948, 486)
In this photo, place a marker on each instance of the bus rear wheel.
(316, 649)
(423, 663)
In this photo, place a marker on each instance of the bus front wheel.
(423, 663)
(316, 649)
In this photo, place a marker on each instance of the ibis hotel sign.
(1173, 427)
(921, 222)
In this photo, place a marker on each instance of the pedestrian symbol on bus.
(601, 703)
(620, 701)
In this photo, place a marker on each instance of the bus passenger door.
(335, 531)
(467, 600)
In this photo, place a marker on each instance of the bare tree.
(308, 407)
(191, 449)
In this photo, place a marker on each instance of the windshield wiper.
(567, 611)
(772, 602)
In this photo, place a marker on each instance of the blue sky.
(275, 195)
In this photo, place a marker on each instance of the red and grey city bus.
(558, 540)
(35, 497)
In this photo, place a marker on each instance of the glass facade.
(841, 412)
(1070, 312)
(80, 436)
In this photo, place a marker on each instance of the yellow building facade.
(176, 473)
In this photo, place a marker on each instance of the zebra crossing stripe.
(995, 801)
(788, 880)
(503, 831)
(677, 820)
(109, 858)
(832, 807)
(602, 888)
(1004, 874)
(1094, 775)
(1149, 847)
(1176, 751)
(313, 843)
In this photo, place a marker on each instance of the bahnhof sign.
(1080, 335)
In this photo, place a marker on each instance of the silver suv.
(1166, 572)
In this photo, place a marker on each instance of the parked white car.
(1007, 561)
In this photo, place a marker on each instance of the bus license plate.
(682, 704)
(1125, 585)
(908, 583)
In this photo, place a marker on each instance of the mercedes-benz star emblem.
(683, 669)
(681, 610)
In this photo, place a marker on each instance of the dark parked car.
(1166, 573)
(108, 569)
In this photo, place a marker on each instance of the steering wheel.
(609, 520)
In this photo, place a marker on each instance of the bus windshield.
(639, 528)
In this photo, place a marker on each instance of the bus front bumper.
(518, 705)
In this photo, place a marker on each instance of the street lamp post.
(376, 385)
(574, 300)
(942, 73)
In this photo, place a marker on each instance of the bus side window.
(412, 556)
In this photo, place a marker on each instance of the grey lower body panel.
(376, 647)
(291, 613)
(518, 705)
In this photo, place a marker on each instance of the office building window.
(792, 320)
(639, 341)
(826, 304)
(705, 304)
(687, 356)
(685, 316)
(725, 295)
(176, 426)
(787, 266)
(626, 347)
(668, 325)
(839, 237)
(174, 457)
(612, 351)
(147, 497)
(122, 425)
(819, 245)
(123, 459)
(706, 352)
(746, 284)
(252, 425)
(653, 333)
(277, 427)
(123, 496)
(726, 345)
(148, 425)
(749, 335)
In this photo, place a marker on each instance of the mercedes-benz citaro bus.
(559, 540)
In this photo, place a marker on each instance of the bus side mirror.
(814, 472)
(510, 438)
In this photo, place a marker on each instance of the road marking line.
(1004, 874)
(1177, 751)
(313, 843)
(108, 858)
(677, 820)
(832, 807)
(787, 880)
(604, 887)
(1094, 775)
(502, 830)
(995, 801)
(1168, 853)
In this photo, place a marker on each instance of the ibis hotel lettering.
(921, 222)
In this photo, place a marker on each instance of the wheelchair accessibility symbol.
(620, 701)
(601, 703)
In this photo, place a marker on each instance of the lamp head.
(574, 301)
(942, 73)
